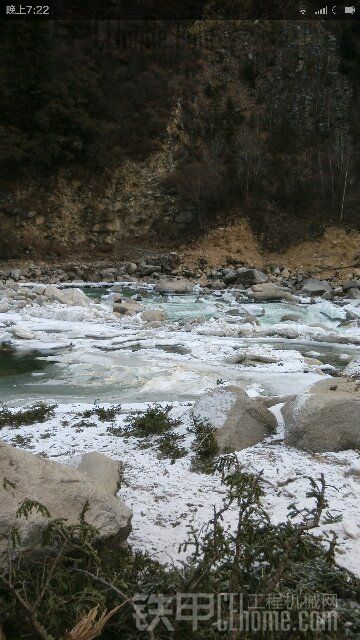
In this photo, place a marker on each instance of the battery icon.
(350, 10)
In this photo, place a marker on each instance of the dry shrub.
(89, 627)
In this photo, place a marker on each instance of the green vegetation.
(205, 447)
(104, 415)
(68, 93)
(21, 441)
(245, 139)
(39, 412)
(169, 446)
(73, 582)
(155, 427)
(154, 422)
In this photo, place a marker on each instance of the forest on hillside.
(262, 117)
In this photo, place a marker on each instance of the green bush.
(154, 422)
(104, 415)
(46, 595)
(169, 446)
(206, 449)
(39, 412)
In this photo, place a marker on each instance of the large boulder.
(270, 291)
(325, 417)
(351, 284)
(63, 490)
(128, 308)
(248, 277)
(105, 471)
(353, 369)
(354, 293)
(316, 287)
(71, 297)
(148, 269)
(290, 317)
(240, 421)
(175, 286)
(153, 315)
(230, 277)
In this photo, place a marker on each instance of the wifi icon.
(303, 10)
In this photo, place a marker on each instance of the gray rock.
(290, 317)
(148, 269)
(352, 284)
(350, 315)
(70, 297)
(130, 267)
(262, 359)
(248, 277)
(218, 284)
(270, 291)
(353, 293)
(174, 286)
(153, 315)
(237, 358)
(250, 319)
(128, 308)
(316, 287)
(62, 490)
(15, 274)
(108, 273)
(230, 277)
(236, 312)
(103, 470)
(325, 417)
(353, 369)
(240, 421)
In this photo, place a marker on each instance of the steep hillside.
(336, 250)
(159, 134)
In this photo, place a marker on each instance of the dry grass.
(90, 626)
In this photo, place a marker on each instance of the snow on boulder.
(240, 421)
(324, 417)
(63, 491)
(70, 297)
(19, 332)
(316, 287)
(353, 369)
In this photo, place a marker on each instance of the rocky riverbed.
(245, 342)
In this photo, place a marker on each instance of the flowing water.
(137, 364)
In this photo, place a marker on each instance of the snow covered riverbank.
(89, 354)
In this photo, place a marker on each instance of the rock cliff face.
(262, 121)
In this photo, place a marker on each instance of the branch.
(30, 613)
(121, 594)
(50, 575)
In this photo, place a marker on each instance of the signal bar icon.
(322, 12)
